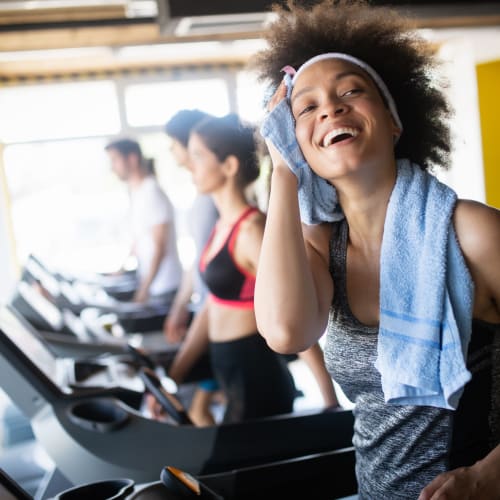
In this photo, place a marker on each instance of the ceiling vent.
(214, 25)
(189, 18)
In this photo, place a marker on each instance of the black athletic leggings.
(255, 379)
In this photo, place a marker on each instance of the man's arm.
(159, 235)
(316, 363)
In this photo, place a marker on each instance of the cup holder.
(102, 415)
(116, 489)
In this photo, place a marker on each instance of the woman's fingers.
(277, 96)
(462, 484)
(434, 486)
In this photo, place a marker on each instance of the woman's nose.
(333, 108)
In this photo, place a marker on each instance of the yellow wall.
(488, 81)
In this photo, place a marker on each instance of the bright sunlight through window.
(155, 103)
(55, 111)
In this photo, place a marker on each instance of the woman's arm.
(176, 322)
(294, 288)
(194, 345)
(478, 231)
(316, 362)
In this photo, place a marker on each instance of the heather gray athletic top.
(400, 449)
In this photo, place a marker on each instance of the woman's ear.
(396, 131)
(231, 166)
(397, 134)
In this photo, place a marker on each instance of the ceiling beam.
(108, 36)
(106, 67)
(13, 16)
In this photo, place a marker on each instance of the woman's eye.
(351, 92)
(307, 109)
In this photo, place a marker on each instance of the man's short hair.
(125, 147)
(180, 125)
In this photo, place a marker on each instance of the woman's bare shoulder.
(251, 232)
(478, 230)
(253, 226)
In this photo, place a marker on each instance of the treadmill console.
(42, 310)
(40, 273)
(66, 374)
(23, 336)
(45, 315)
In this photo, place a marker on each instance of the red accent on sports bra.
(229, 284)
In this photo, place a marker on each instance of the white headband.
(358, 62)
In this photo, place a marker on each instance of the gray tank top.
(400, 449)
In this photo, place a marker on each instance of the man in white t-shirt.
(152, 222)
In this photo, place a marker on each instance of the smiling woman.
(403, 276)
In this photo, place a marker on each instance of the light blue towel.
(317, 198)
(426, 295)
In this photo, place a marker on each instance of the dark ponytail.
(228, 136)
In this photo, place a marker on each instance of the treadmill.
(78, 336)
(94, 433)
(76, 296)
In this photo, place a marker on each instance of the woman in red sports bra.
(255, 380)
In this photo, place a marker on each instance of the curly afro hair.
(386, 41)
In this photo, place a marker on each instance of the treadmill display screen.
(42, 305)
(20, 334)
(46, 279)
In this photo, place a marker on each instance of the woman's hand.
(176, 323)
(155, 409)
(477, 482)
(141, 296)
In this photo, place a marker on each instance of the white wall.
(466, 175)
